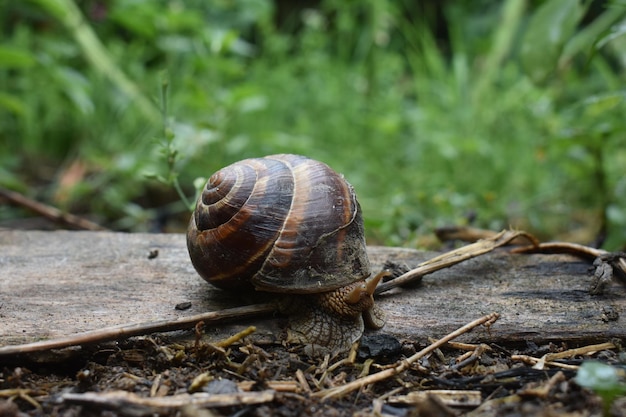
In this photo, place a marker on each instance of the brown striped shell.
(282, 223)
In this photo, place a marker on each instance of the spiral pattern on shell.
(282, 223)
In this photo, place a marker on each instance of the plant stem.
(70, 15)
(171, 153)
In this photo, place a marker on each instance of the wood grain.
(56, 283)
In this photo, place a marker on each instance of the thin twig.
(470, 234)
(456, 256)
(549, 358)
(405, 364)
(544, 390)
(584, 350)
(128, 330)
(581, 251)
(49, 212)
(236, 337)
(614, 263)
(22, 393)
(130, 402)
(530, 360)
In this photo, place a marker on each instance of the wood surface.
(54, 284)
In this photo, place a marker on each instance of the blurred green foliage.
(502, 113)
(605, 380)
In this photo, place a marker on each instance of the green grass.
(515, 117)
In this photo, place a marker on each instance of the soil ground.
(157, 367)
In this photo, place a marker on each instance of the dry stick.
(470, 234)
(49, 212)
(456, 256)
(584, 350)
(236, 337)
(125, 331)
(405, 364)
(581, 251)
(133, 404)
(549, 358)
(530, 360)
(617, 260)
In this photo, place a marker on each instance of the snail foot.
(323, 333)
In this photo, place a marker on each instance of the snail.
(292, 227)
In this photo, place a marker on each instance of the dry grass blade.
(549, 358)
(22, 393)
(530, 360)
(236, 337)
(609, 265)
(585, 350)
(456, 256)
(405, 364)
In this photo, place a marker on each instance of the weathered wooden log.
(54, 284)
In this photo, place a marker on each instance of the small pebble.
(221, 386)
(379, 346)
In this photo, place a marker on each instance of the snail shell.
(285, 224)
(282, 223)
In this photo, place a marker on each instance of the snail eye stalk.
(366, 288)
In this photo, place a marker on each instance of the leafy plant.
(169, 151)
(501, 113)
(604, 380)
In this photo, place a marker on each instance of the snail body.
(291, 226)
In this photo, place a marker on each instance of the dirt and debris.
(158, 376)
(549, 326)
